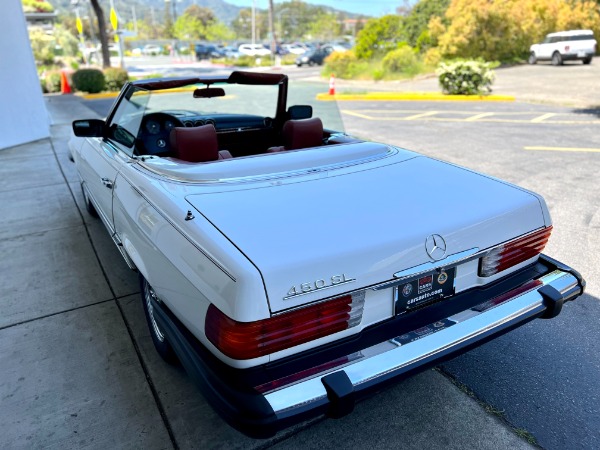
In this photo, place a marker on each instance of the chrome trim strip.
(446, 263)
(117, 240)
(275, 176)
(204, 252)
(523, 306)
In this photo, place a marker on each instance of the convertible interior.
(185, 135)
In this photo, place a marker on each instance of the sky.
(374, 8)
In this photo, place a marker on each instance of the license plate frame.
(424, 289)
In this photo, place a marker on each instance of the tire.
(89, 206)
(587, 60)
(556, 59)
(161, 344)
(532, 59)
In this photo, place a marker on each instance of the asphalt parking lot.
(77, 367)
(538, 376)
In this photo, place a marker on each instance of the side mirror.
(89, 128)
(300, 112)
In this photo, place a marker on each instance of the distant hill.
(225, 12)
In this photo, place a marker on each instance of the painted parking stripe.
(543, 117)
(478, 116)
(430, 116)
(564, 149)
(418, 116)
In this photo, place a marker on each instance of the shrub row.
(88, 80)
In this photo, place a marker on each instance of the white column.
(23, 113)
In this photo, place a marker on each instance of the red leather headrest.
(195, 144)
(302, 133)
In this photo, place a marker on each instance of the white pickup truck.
(565, 46)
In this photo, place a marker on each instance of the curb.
(97, 96)
(415, 96)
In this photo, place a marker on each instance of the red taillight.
(246, 340)
(514, 252)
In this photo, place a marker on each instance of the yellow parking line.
(353, 113)
(564, 149)
(418, 116)
(478, 116)
(543, 117)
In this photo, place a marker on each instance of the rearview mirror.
(209, 93)
(300, 112)
(89, 128)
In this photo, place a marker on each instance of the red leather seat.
(302, 133)
(196, 144)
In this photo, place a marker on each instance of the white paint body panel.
(360, 210)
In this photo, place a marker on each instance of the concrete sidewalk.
(77, 365)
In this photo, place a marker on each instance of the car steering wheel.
(153, 137)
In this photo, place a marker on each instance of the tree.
(379, 36)
(325, 26)
(204, 15)
(504, 29)
(417, 21)
(102, 33)
(242, 24)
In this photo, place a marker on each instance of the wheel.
(557, 59)
(162, 346)
(587, 60)
(89, 206)
(532, 59)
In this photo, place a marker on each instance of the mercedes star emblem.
(435, 246)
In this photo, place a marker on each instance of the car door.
(546, 48)
(101, 159)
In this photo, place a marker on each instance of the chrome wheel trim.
(149, 294)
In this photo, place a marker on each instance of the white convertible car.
(292, 269)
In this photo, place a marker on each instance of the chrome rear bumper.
(333, 387)
(390, 358)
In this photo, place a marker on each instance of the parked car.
(151, 50)
(253, 50)
(564, 46)
(231, 52)
(313, 57)
(296, 49)
(207, 51)
(293, 269)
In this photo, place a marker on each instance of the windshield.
(244, 117)
(238, 99)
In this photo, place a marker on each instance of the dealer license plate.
(424, 289)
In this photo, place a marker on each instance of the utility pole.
(272, 29)
(134, 20)
(253, 22)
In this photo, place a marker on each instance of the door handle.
(107, 182)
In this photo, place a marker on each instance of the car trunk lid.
(345, 231)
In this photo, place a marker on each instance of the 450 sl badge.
(317, 285)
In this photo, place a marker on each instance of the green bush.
(344, 65)
(52, 81)
(470, 77)
(400, 60)
(89, 80)
(115, 78)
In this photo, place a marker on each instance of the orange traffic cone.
(332, 84)
(65, 88)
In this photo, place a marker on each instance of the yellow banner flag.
(79, 25)
(113, 18)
